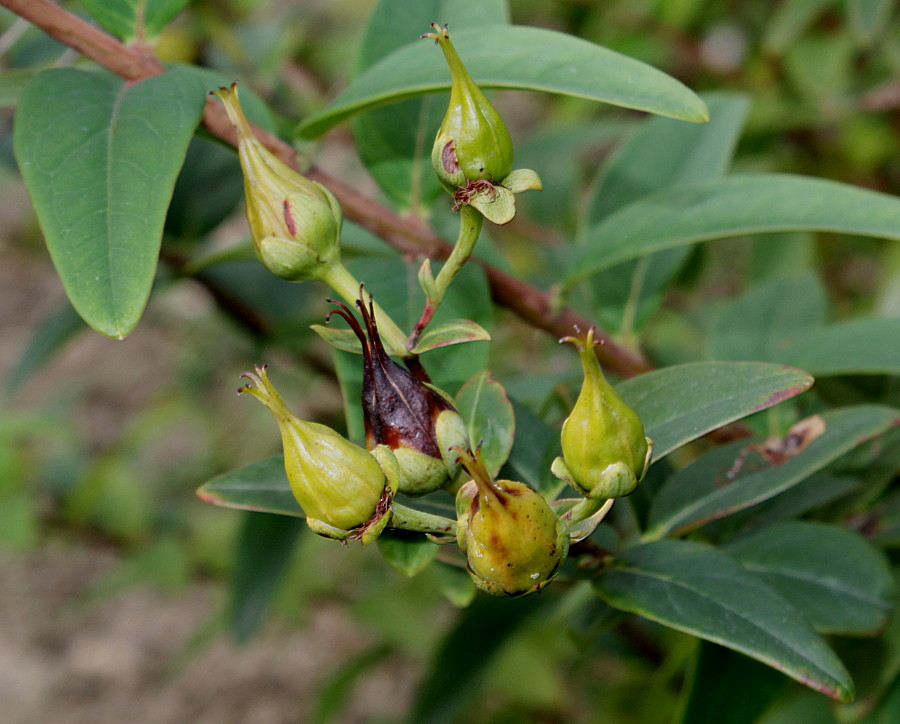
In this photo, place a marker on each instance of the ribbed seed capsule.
(605, 450)
(295, 222)
(412, 418)
(514, 543)
(344, 491)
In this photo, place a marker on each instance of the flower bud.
(344, 491)
(473, 143)
(411, 417)
(605, 451)
(514, 543)
(295, 222)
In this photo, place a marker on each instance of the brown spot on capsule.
(448, 157)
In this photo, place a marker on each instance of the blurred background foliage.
(102, 443)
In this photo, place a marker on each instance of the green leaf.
(789, 20)
(99, 157)
(342, 339)
(337, 690)
(395, 143)
(52, 332)
(454, 674)
(454, 331)
(407, 553)
(489, 418)
(261, 486)
(661, 153)
(840, 581)
(681, 403)
(868, 18)
(131, 19)
(734, 206)
(535, 445)
(505, 57)
(860, 347)
(697, 589)
(768, 319)
(723, 680)
(702, 491)
(264, 547)
(12, 83)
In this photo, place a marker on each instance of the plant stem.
(345, 284)
(470, 222)
(406, 518)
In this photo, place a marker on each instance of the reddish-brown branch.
(406, 235)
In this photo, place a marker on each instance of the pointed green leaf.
(454, 331)
(489, 418)
(342, 339)
(130, 19)
(261, 486)
(505, 57)
(99, 157)
(734, 206)
(704, 491)
(837, 578)
(681, 403)
(697, 589)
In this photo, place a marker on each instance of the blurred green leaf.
(334, 694)
(489, 418)
(99, 157)
(533, 449)
(681, 403)
(788, 22)
(734, 206)
(52, 332)
(868, 18)
(133, 19)
(407, 553)
(395, 143)
(723, 680)
(452, 677)
(697, 589)
(863, 346)
(264, 547)
(840, 581)
(261, 486)
(768, 318)
(702, 491)
(504, 57)
(661, 153)
(12, 83)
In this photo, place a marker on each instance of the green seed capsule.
(295, 222)
(514, 543)
(473, 143)
(605, 451)
(344, 491)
